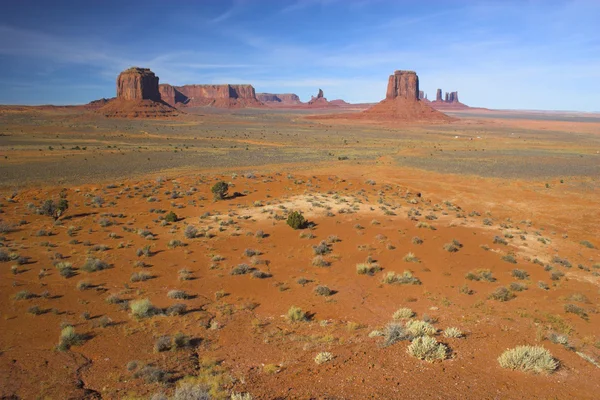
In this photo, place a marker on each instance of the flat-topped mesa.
(284, 98)
(138, 84)
(403, 84)
(224, 95)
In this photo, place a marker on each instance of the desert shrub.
(392, 333)
(142, 309)
(561, 261)
(453, 246)
(240, 396)
(406, 278)
(251, 252)
(417, 240)
(296, 220)
(321, 249)
(53, 209)
(510, 258)
(68, 337)
(427, 348)
(587, 244)
(140, 277)
(403, 313)
(419, 328)
(502, 294)
(480, 275)
(152, 374)
(94, 264)
(260, 274)
(323, 357)
(83, 285)
(319, 261)
(533, 359)
(574, 309)
(177, 294)
(240, 269)
(4, 256)
(185, 274)
(500, 240)
(368, 268)
(323, 290)
(543, 285)
(410, 257)
(173, 243)
(163, 343)
(452, 332)
(519, 274)
(517, 287)
(190, 232)
(295, 314)
(219, 190)
(144, 251)
(24, 295)
(176, 309)
(171, 217)
(193, 391)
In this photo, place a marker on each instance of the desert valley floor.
(488, 224)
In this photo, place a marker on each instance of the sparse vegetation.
(533, 359)
(406, 278)
(295, 314)
(427, 348)
(219, 190)
(296, 220)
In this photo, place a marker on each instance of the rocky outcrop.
(319, 100)
(438, 95)
(137, 96)
(137, 84)
(403, 84)
(402, 102)
(283, 98)
(228, 96)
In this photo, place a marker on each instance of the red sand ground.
(257, 349)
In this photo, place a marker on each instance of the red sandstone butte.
(224, 96)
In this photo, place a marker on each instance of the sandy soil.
(393, 187)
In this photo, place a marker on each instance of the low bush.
(295, 314)
(427, 348)
(296, 220)
(534, 359)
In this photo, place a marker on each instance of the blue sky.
(504, 54)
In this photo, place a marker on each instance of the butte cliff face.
(137, 84)
(402, 102)
(137, 96)
(227, 96)
(403, 84)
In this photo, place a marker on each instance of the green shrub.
(142, 309)
(219, 190)
(68, 338)
(419, 328)
(533, 359)
(53, 209)
(295, 314)
(171, 217)
(502, 294)
(296, 220)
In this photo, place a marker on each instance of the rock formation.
(402, 102)
(438, 95)
(283, 98)
(137, 96)
(226, 95)
(403, 84)
(319, 101)
(450, 101)
(137, 84)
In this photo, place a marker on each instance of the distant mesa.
(283, 98)
(137, 96)
(222, 96)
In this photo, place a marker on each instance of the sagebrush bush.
(190, 232)
(323, 290)
(480, 275)
(427, 348)
(533, 359)
(295, 314)
(452, 332)
(68, 338)
(406, 278)
(392, 333)
(94, 264)
(403, 313)
(296, 220)
(502, 294)
(368, 268)
(419, 328)
(142, 308)
(323, 357)
(240, 269)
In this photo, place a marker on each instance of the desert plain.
(481, 233)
